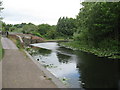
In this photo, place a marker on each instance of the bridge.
(27, 39)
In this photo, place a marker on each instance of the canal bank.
(78, 69)
(19, 71)
(100, 52)
(48, 74)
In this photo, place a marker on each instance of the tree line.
(96, 25)
(99, 24)
(43, 30)
(64, 29)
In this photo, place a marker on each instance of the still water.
(77, 69)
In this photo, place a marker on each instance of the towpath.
(18, 71)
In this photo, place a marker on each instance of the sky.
(39, 11)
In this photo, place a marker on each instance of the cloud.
(39, 11)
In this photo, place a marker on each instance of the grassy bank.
(1, 50)
(96, 51)
(16, 41)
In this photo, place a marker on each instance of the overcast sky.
(39, 11)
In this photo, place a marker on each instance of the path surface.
(8, 44)
(18, 71)
(0, 75)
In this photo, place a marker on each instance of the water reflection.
(63, 65)
(44, 52)
(65, 50)
(63, 58)
(80, 69)
(98, 72)
(40, 51)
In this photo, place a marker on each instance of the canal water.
(77, 69)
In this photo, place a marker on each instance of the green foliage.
(52, 34)
(18, 43)
(98, 24)
(98, 29)
(49, 66)
(28, 28)
(47, 31)
(21, 25)
(12, 29)
(1, 50)
(95, 29)
(101, 52)
(1, 8)
(43, 28)
(3, 26)
(37, 34)
(66, 27)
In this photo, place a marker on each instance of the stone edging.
(56, 81)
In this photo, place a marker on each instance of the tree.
(95, 23)
(52, 34)
(11, 29)
(1, 8)
(43, 28)
(66, 26)
(29, 28)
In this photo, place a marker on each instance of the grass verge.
(1, 50)
(96, 51)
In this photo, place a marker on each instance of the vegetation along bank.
(95, 29)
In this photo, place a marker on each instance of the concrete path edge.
(56, 81)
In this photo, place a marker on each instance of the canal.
(77, 69)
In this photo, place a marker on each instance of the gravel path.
(18, 71)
